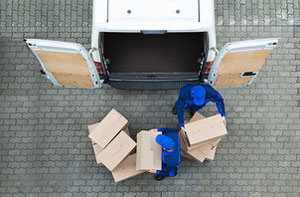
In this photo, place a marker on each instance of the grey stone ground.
(44, 149)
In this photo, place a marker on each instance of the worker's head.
(165, 142)
(198, 95)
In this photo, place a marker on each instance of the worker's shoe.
(159, 177)
(174, 110)
(192, 113)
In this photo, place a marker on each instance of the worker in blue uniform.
(195, 97)
(170, 157)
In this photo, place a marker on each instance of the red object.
(99, 68)
(207, 67)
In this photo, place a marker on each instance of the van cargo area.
(169, 53)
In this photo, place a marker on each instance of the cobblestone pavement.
(44, 149)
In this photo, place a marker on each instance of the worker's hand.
(152, 171)
(154, 130)
(224, 120)
(184, 131)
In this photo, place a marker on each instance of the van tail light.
(99, 68)
(207, 67)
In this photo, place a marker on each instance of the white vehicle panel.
(153, 9)
(65, 64)
(238, 63)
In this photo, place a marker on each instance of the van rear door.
(65, 64)
(238, 63)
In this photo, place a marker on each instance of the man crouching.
(170, 157)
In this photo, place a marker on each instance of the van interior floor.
(150, 53)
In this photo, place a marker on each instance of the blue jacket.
(185, 101)
(170, 160)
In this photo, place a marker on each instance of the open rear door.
(238, 63)
(65, 64)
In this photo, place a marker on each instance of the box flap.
(126, 169)
(148, 151)
(108, 128)
(206, 129)
(117, 150)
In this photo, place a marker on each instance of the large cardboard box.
(126, 169)
(148, 151)
(204, 130)
(116, 151)
(108, 128)
(97, 149)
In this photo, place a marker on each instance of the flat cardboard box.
(116, 151)
(202, 131)
(97, 149)
(148, 151)
(108, 128)
(126, 169)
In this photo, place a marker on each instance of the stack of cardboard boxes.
(112, 146)
(202, 135)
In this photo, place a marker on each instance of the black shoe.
(159, 177)
(192, 113)
(174, 110)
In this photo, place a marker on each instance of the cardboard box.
(148, 151)
(204, 130)
(97, 149)
(108, 128)
(116, 151)
(126, 169)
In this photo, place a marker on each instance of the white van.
(152, 44)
